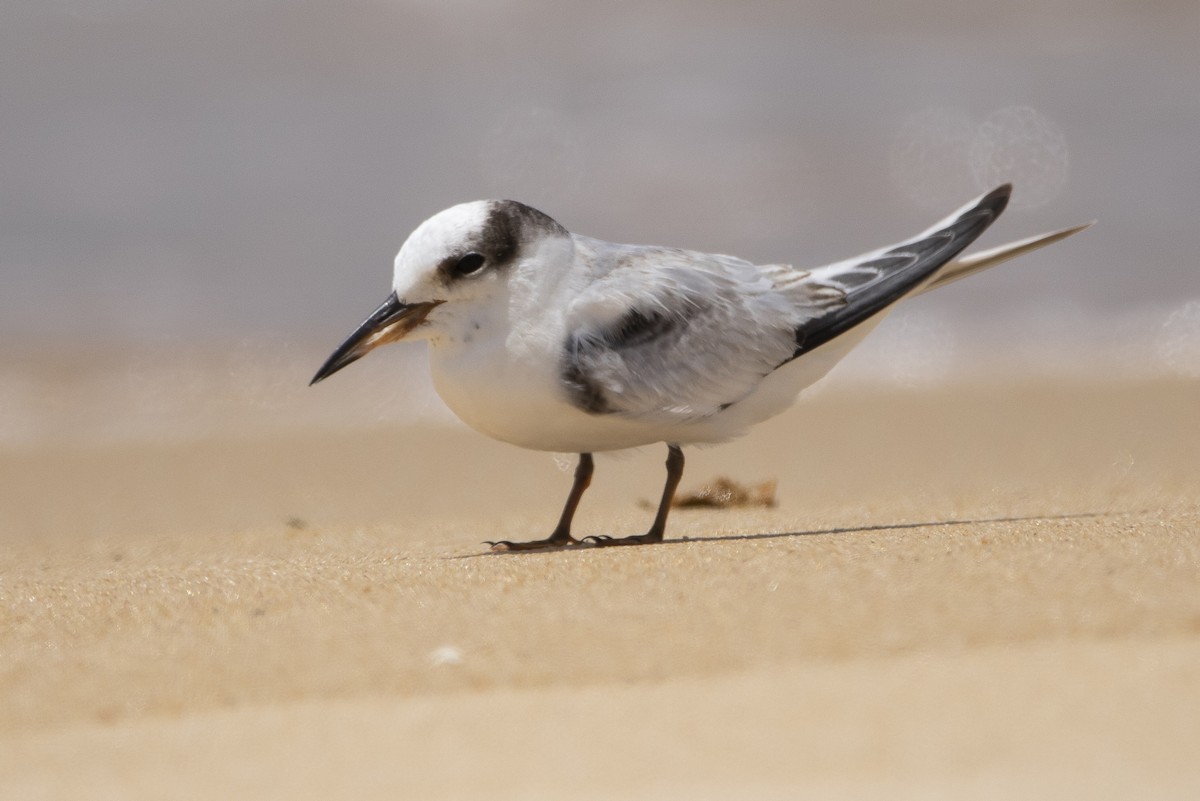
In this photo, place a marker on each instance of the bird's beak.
(389, 323)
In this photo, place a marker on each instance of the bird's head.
(457, 260)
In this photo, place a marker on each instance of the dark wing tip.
(996, 200)
(902, 268)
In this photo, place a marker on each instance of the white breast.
(498, 367)
(516, 396)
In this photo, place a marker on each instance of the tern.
(559, 342)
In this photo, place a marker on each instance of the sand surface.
(988, 590)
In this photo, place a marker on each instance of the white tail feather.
(976, 262)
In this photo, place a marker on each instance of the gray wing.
(673, 336)
(876, 280)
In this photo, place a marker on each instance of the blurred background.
(201, 199)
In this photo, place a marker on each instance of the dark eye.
(470, 263)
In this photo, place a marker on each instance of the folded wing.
(676, 336)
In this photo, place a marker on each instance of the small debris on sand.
(725, 493)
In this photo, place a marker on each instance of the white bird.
(559, 342)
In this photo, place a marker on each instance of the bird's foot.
(551, 542)
(604, 541)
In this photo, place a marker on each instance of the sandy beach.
(977, 590)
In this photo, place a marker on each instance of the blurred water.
(233, 178)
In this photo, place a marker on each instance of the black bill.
(389, 323)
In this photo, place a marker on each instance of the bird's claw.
(605, 541)
(507, 546)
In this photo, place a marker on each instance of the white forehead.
(443, 234)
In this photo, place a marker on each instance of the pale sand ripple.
(1074, 719)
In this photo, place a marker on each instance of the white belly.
(522, 401)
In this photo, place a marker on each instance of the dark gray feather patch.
(899, 271)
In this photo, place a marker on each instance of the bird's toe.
(550, 543)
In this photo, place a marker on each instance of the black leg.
(659, 527)
(562, 532)
(583, 480)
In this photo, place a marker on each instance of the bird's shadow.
(776, 535)
(885, 527)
